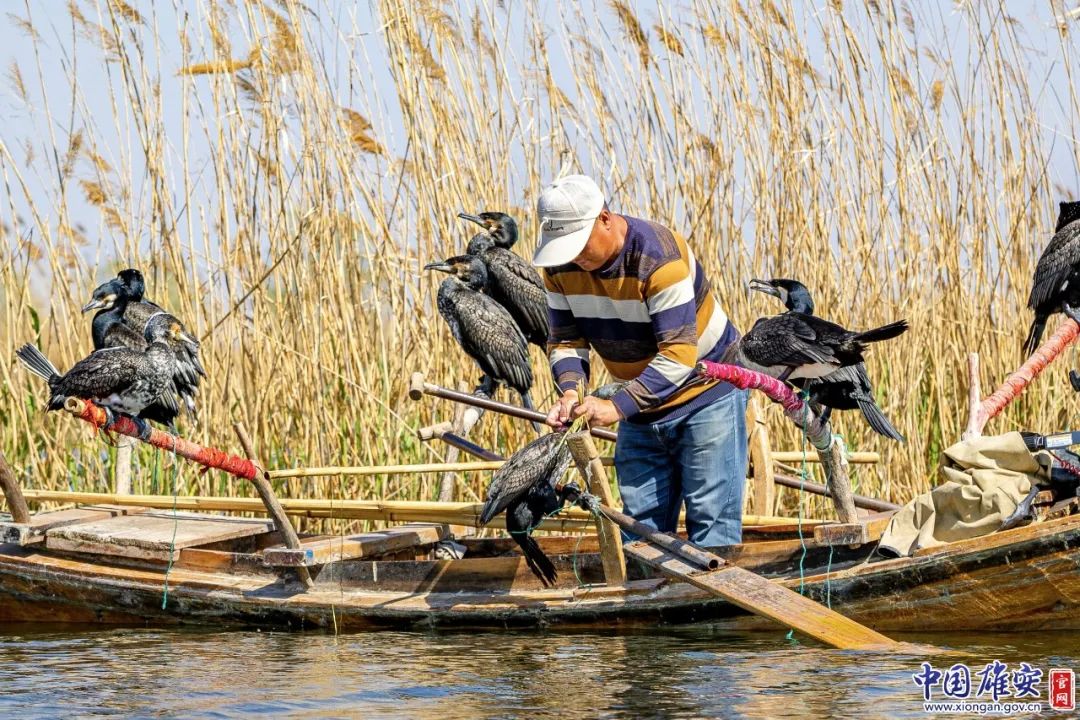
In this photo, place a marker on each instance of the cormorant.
(512, 281)
(795, 345)
(501, 227)
(120, 379)
(845, 389)
(525, 488)
(1056, 285)
(122, 317)
(483, 327)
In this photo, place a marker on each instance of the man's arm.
(669, 296)
(568, 351)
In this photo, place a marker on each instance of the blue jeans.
(699, 458)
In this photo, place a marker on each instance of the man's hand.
(597, 412)
(559, 415)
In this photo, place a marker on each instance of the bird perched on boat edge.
(845, 389)
(1055, 286)
(121, 320)
(512, 281)
(483, 328)
(524, 487)
(796, 345)
(121, 379)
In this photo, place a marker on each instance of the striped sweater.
(649, 314)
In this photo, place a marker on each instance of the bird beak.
(473, 218)
(765, 287)
(440, 266)
(93, 305)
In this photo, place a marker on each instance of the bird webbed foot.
(1071, 312)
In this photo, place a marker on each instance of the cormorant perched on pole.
(122, 318)
(483, 327)
(845, 389)
(123, 380)
(795, 345)
(512, 281)
(1056, 285)
(525, 488)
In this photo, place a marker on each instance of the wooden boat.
(110, 564)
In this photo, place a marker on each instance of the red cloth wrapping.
(206, 456)
(798, 411)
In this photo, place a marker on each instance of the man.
(632, 291)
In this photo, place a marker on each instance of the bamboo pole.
(273, 506)
(16, 502)
(463, 466)
(761, 460)
(125, 447)
(1064, 336)
(486, 465)
(861, 501)
(123, 425)
(418, 387)
(596, 481)
(459, 513)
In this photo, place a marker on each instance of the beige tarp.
(983, 480)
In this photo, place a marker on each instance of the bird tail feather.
(1034, 335)
(36, 362)
(538, 562)
(527, 403)
(878, 421)
(885, 332)
(489, 511)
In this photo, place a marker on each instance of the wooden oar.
(689, 563)
(418, 387)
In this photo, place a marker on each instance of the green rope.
(176, 521)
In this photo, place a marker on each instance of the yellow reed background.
(287, 222)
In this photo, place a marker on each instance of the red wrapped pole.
(798, 411)
(206, 456)
(1063, 337)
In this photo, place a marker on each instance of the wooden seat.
(159, 535)
(320, 551)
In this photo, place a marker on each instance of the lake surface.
(64, 671)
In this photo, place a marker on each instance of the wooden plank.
(587, 459)
(766, 598)
(33, 532)
(761, 460)
(151, 536)
(327, 550)
(863, 531)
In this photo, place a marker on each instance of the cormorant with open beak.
(121, 321)
(845, 389)
(123, 380)
(511, 280)
(1056, 285)
(797, 346)
(483, 328)
(524, 487)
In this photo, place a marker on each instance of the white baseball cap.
(567, 208)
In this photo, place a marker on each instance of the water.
(61, 671)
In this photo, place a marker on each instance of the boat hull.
(1021, 580)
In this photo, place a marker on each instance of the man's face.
(598, 248)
